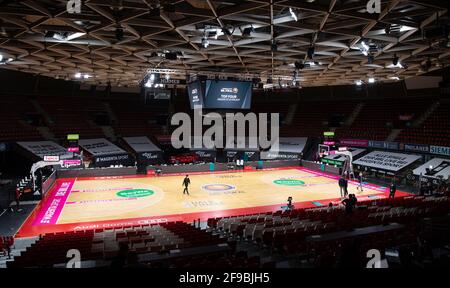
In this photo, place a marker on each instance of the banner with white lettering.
(416, 148)
(290, 148)
(146, 151)
(440, 150)
(388, 161)
(105, 153)
(100, 147)
(41, 149)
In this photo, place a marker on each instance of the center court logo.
(135, 193)
(289, 182)
(218, 187)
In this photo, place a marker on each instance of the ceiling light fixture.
(293, 14)
(205, 42)
(247, 32)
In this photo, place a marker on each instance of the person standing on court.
(186, 183)
(341, 183)
(360, 179)
(392, 190)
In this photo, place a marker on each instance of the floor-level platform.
(119, 201)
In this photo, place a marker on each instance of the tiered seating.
(106, 243)
(373, 120)
(286, 231)
(71, 115)
(434, 131)
(52, 248)
(136, 119)
(12, 122)
(311, 118)
(5, 242)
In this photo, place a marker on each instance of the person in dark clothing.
(354, 199)
(289, 203)
(17, 198)
(341, 183)
(349, 204)
(392, 191)
(186, 183)
(360, 180)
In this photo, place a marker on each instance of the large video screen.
(221, 94)
(195, 94)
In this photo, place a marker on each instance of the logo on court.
(135, 193)
(289, 182)
(218, 187)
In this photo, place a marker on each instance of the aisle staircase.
(355, 113)
(46, 133)
(20, 245)
(290, 114)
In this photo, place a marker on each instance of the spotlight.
(358, 82)
(152, 77)
(248, 31)
(311, 52)
(395, 60)
(78, 75)
(205, 43)
(293, 14)
(86, 76)
(119, 34)
(404, 28)
(167, 77)
(148, 84)
(387, 30)
(371, 80)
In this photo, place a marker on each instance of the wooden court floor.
(75, 201)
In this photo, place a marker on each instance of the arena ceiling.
(118, 41)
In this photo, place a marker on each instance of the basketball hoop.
(86, 163)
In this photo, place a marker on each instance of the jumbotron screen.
(220, 94)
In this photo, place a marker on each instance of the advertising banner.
(440, 150)
(355, 142)
(42, 149)
(387, 161)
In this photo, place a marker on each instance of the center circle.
(135, 193)
(218, 187)
(289, 182)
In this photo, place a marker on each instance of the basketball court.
(101, 202)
